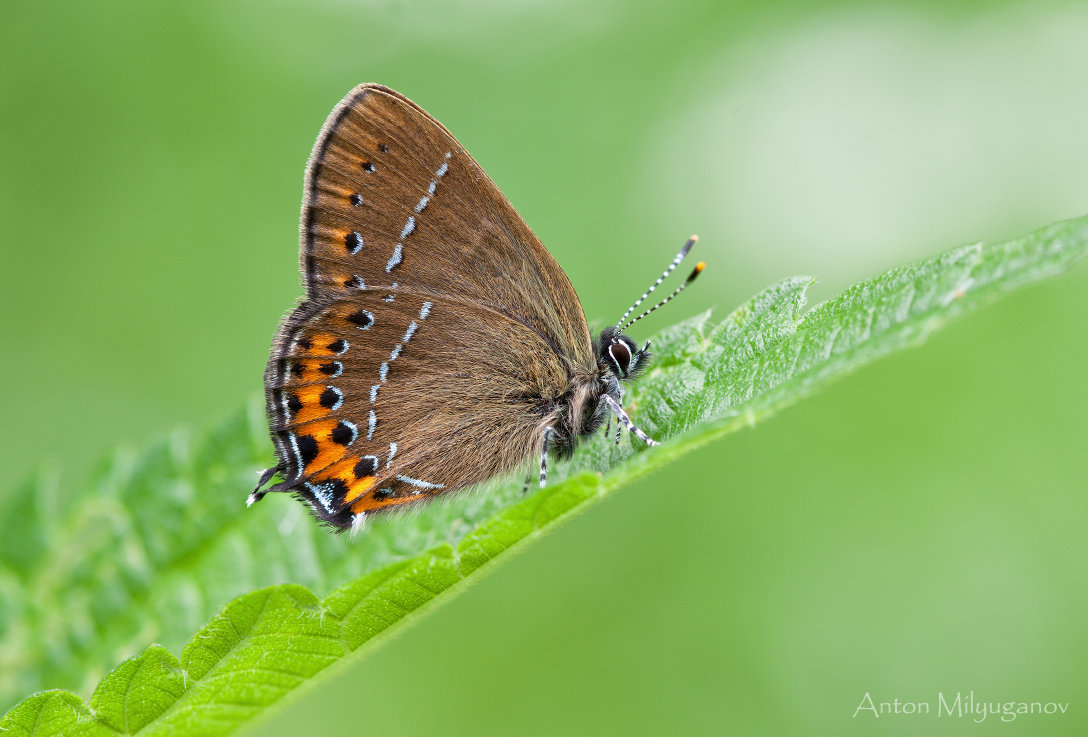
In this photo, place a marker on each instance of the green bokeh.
(915, 529)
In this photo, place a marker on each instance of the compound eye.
(621, 354)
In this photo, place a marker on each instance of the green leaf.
(159, 540)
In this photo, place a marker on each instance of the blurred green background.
(917, 528)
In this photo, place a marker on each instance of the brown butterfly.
(439, 343)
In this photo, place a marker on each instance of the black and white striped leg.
(622, 416)
(528, 477)
(618, 426)
(544, 457)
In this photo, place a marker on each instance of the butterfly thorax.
(581, 412)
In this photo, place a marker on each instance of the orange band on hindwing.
(354, 475)
(377, 500)
(359, 487)
(322, 443)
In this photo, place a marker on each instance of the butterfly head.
(620, 355)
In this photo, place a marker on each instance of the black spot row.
(362, 318)
(353, 241)
(366, 467)
(343, 433)
(307, 448)
(330, 397)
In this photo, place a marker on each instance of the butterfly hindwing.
(378, 402)
(392, 199)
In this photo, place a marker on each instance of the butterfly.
(439, 343)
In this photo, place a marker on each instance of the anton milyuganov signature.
(959, 705)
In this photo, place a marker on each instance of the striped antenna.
(675, 262)
(691, 277)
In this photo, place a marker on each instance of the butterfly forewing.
(393, 199)
(380, 402)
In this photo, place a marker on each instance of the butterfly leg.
(618, 425)
(544, 457)
(528, 478)
(622, 417)
(608, 420)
